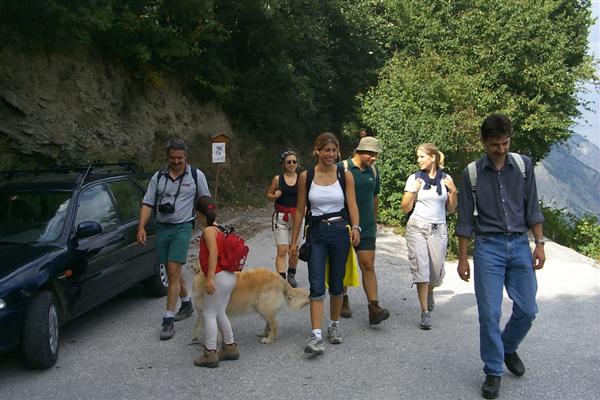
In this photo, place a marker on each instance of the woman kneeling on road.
(323, 190)
(218, 286)
(428, 194)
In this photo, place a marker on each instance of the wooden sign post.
(219, 143)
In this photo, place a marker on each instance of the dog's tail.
(198, 282)
(196, 267)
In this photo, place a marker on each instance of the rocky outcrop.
(76, 106)
(569, 177)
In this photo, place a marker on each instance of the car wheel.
(40, 332)
(158, 283)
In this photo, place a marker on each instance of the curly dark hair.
(284, 155)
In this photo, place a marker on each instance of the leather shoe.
(514, 364)
(491, 387)
(346, 310)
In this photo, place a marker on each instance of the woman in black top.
(283, 191)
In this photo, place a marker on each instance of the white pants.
(214, 308)
(427, 244)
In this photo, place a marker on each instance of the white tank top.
(325, 199)
(429, 207)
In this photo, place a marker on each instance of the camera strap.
(166, 175)
(178, 188)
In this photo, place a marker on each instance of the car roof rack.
(94, 168)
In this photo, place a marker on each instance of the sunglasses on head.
(291, 162)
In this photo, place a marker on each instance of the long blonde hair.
(431, 150)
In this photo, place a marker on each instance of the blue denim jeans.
(503, 261)
(328, 240)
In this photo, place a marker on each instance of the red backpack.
(232, 255)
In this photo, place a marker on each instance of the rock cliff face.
(77, 107)
(569, 177)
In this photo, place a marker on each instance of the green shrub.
(559, 225)
(587, 236)
(581, 234)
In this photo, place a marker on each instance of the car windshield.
(32, 217)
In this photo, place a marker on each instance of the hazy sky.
(589, 126)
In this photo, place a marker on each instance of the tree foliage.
(455, 62)
(412, 70)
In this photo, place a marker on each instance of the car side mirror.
(88, 228)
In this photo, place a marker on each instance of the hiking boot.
(185, 311)
(334, 335)
(229, 352)
(491, 387)
(291, 278)
(314, 345)
(346, 311)
(514, 364)
(168, 329)
(209, 359)
(425, 321)
(377, 314)
(430, 301)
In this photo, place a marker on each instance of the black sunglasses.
(291, 162)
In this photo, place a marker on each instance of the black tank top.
(288, 193)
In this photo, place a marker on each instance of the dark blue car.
(67, 244)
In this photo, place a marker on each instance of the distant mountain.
(584, 150)
(569, 177)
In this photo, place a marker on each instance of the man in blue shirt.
(499, 212)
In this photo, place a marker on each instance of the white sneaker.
(314, 345)
(425, 321)
(334, 335)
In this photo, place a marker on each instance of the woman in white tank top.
(332, 210)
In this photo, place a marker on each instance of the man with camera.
(172, 193)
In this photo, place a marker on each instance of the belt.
(173, 223)
(332, 219)
(501, 234)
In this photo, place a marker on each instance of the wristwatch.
(357, 227)
(541, 241)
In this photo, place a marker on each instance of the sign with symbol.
(218, 153)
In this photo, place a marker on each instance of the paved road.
(114, 352)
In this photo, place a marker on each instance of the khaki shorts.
(282, 229)
(427, 244)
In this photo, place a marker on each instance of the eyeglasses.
(291, 162)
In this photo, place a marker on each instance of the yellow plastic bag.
(351, 277)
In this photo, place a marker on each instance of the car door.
(104, 271)
(128, 198)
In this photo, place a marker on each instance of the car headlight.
(2, 304)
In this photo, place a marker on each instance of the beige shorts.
(427, 244)
(282, 229)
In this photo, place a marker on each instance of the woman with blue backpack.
(326, 194)
(428, 195)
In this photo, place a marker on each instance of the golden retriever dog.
(258, 289)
